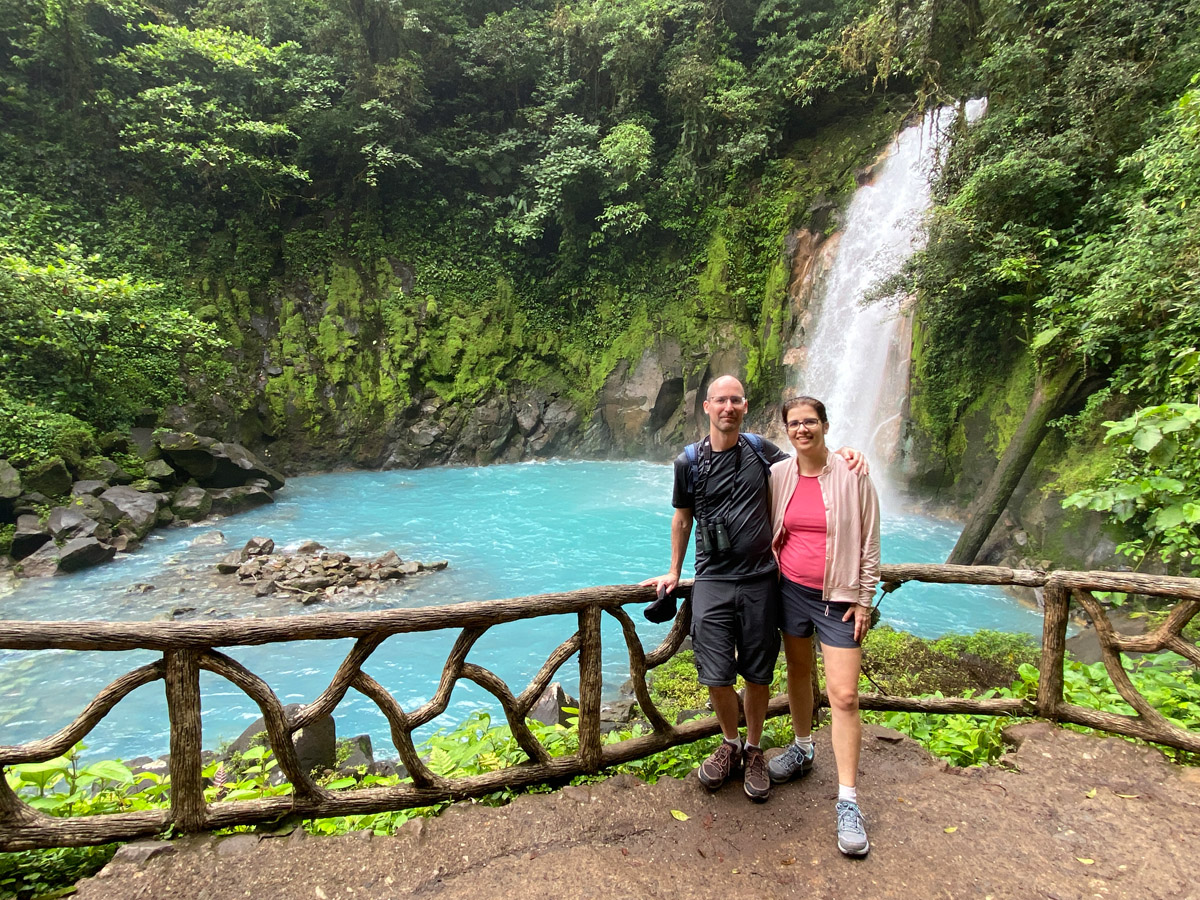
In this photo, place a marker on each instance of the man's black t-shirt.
(736, 493)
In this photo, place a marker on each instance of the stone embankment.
(313, 573)
(68, 517)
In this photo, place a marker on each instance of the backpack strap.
(756, 444)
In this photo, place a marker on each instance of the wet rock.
(49, 478)
(41, 563)
(124, 543)
(10, 490)
(28, 537)
(66, 522)
(264, 588)
(361, 753)
(160, 470)
(82, 553)
(191, 503)
(316, 744)
(309, 547)
(230, 562)
(258, 546)
(139, 587)
(228, 501)
(139, 509)
(548, 709)
(90, 487)
(215, 464)
(100, 468)
(435, 566)
(208, 539)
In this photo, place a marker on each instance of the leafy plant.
(1155, 486)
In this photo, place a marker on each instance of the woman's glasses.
(810, 424)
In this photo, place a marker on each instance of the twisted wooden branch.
(451, 672)
(402, 727)
(637, 671)
(494, 684)
(62, 741)
(341, 682)
(279, 733)
(563, 652)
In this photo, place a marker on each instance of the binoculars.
(712, 537)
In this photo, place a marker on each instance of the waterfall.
(855, 357)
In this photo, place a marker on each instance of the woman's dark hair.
(789, 405)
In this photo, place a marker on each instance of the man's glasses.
(731, 401)
(810, 424)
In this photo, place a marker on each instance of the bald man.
(735, 599)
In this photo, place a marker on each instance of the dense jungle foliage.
(536, 190)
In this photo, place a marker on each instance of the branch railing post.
(188, 812)
(591, 687)
(1057, 600)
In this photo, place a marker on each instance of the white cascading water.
(856, 358)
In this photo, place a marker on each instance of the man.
(735, 599)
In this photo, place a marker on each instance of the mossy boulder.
(101, 468)
(49, 477)
(191, 503)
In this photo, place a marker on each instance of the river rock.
(309, 547)
(548, 709)
(41, 563)
(227, 501)
(160, 470)
(66, 522)
(230, 562)
(208, 539)
(49, 477)
(191, 504)
(215, 464)
(141, 510)
(258, 546)
(88, 487)
(361, 753)
(28, 537)
(82, 552)
(316, 745)
(99, 468)
(10, 481)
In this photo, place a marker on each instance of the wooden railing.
(189, 647)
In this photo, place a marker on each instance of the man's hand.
(663, 584)
(862, 620)
(664, 607)
(855, 460)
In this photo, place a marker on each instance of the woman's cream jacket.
(852, 527)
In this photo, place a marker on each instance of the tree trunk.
(1050, 398)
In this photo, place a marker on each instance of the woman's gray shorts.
(735, 630)
(803, 609)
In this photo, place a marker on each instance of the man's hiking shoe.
(794, 762)
(851, 829)
(717, 768)
(756, 780)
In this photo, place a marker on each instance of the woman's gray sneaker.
(851, 829)
(794, 762)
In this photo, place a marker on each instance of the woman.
(826, 539)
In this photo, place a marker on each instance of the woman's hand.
(862, 620)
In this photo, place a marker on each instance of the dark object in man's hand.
(663, 609)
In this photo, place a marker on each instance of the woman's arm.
(868, 576)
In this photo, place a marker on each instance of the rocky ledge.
(68, 518)
(313, 573)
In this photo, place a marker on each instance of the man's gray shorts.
(803, 609)
(735, 630)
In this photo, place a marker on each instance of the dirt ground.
(1069, 816)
